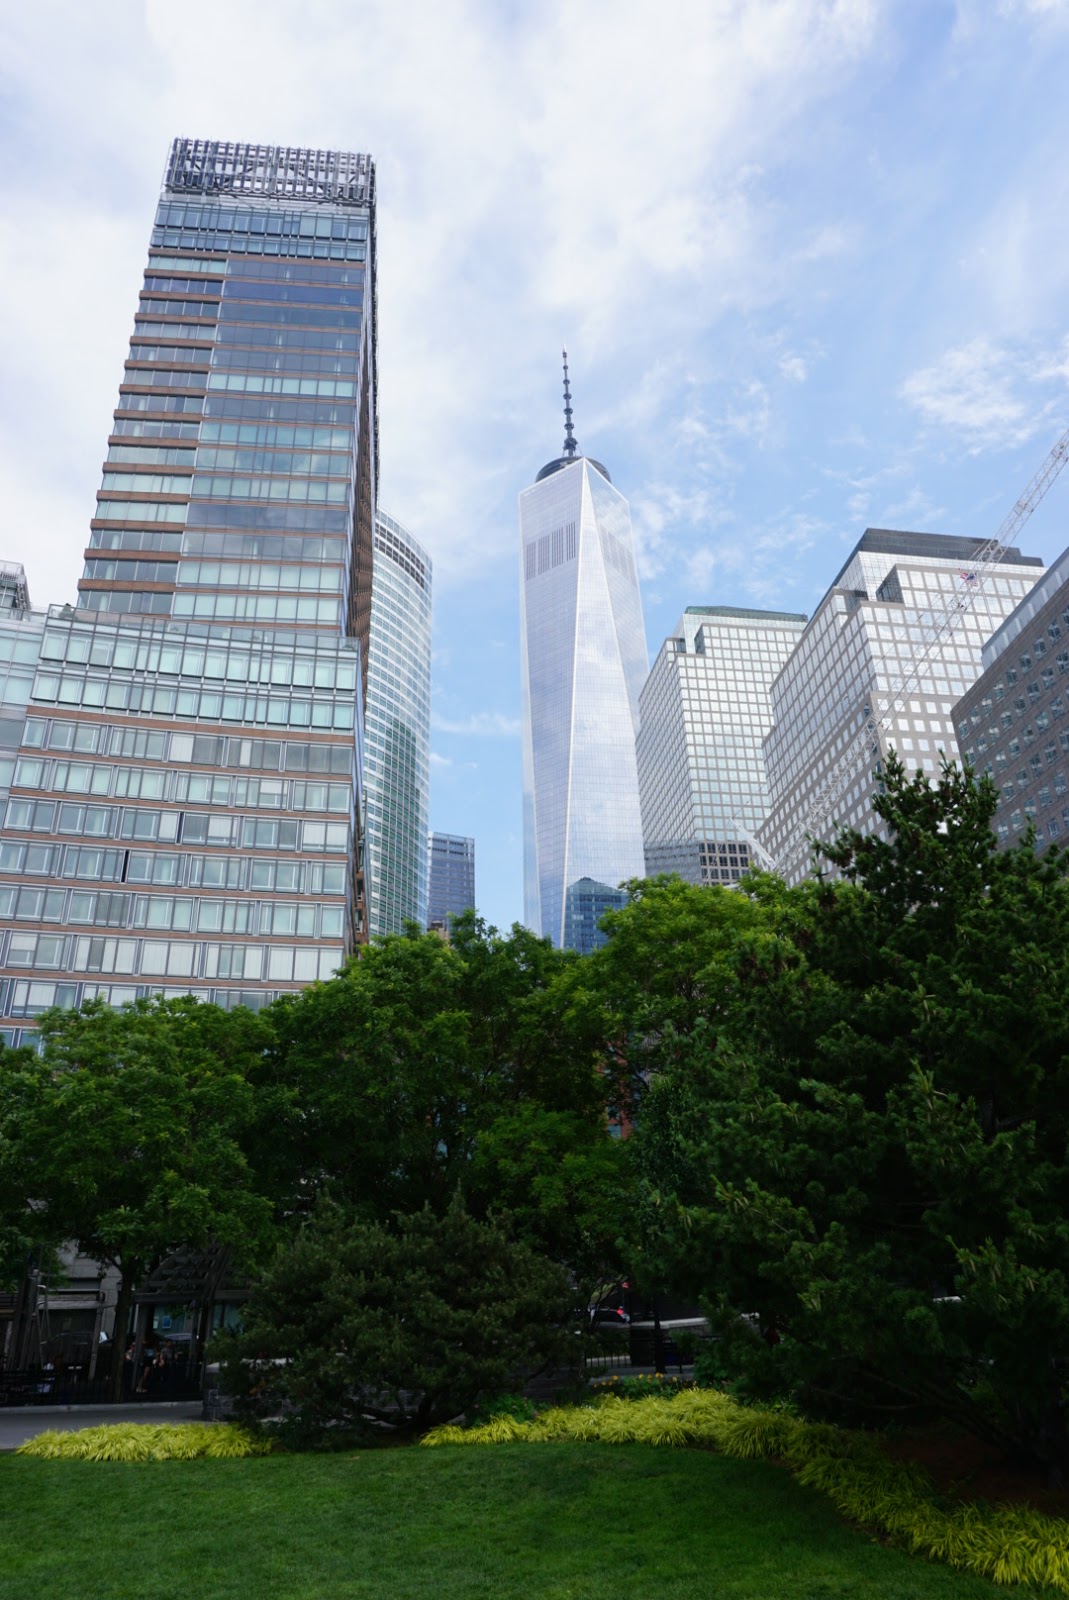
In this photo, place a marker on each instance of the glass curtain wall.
(191, 763)
(398, 730)
(583, 655)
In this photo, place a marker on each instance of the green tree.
(564, 1187)
(131, 1135)
(396, 1065)
(861, 1148)
(25, 1232)
(363, 1325)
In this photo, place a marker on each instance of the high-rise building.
(452, 879)
(188, 787)
(861, 641)
(583, 664)
(1013, 724)
(397, 755)
(585, 903)
(704, 715)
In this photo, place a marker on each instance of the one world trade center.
(583, 662)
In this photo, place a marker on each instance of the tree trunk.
(122, 1319)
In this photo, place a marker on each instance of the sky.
(810, 259)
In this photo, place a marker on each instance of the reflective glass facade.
(1013, 724)
(189, 780)
(585, 903)
(583, 663)
(705, 712)
(864, 636)
(398, 730)
(452, 878)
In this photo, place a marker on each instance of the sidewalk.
(19, 1423)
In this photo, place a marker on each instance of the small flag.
(967, 577)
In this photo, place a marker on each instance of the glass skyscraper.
(583, 663)
(452, 878)
(705, 712)
(185, 805)
(398, 730)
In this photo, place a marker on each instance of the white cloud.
(539, 171)
(440, 760)
(480, 724)
(981, 391)
(793, 368)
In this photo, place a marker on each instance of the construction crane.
(879, 718)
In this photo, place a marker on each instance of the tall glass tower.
(398, 730)
(583, 664)
(185, 809)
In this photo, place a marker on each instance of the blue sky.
(810, 257)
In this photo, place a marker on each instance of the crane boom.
(879, 720)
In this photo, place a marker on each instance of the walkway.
(19, 1423)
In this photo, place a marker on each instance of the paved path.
(18, 1423)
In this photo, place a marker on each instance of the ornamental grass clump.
(1009, 1544)
(141, 1441)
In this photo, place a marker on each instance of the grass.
(563, 1522)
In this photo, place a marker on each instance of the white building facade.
(704, 714)
(583, 664)
(863, 638)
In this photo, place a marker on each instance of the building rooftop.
(746, 614)
(935, 546)
(217, 167)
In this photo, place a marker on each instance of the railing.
(47, 1386)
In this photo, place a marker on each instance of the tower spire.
(570, 446)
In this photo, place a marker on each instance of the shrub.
(140, 1441)
(362, 1329)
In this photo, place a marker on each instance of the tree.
(26, 1234)
(563, 1186)
(131, 1137)
(864, 1146)
(396, 1065)
(363, 1325)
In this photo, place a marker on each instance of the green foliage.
(640, 1387)
(1009, 1544)
(132, 1134)
(364, 1326)
(854, 1142)
(400, 1067)
(516, 1406)
(141, 1441)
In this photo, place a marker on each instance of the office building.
(583, 664)
(1013, 724)
(452, 879)
(21, 633)
(860, 644)
(704, 714)
(397, 755)
(188, 789)
(585, 903)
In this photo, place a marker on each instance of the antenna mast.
(571, 449)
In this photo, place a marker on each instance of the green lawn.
(564, 1522)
